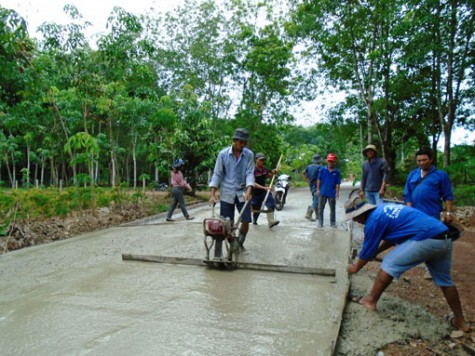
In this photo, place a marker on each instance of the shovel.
(262, 210)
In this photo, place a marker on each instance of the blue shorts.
(227, 210)
(436, 254)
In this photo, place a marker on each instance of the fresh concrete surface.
(78, 297)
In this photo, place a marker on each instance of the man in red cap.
(328, 189)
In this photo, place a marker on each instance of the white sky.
(35, 12)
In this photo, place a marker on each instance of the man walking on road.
(374, 176)
(328, 189)
(261, 173)
(234, 173)
(310, 175)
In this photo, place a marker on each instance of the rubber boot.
(242, 238)
(309, 213)
(218, 249)
(235, 244)
(271, 220)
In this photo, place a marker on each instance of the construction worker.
(310, 175)
(234, 173)
(262, 192)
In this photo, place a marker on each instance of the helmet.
(331, 157)
(260, 155)
(178, 163)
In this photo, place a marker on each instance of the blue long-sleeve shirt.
(233, 174)
(396, 223)
(427, 194)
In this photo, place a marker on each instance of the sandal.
(451, 320)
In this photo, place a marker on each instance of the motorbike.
(282, 186)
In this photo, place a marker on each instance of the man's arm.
(354, 268)
(363, 181)
(250, 178)
(384, 171)
(448, 217)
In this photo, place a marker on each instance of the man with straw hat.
(417, 238)
(374, 176)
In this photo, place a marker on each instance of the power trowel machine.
(219, 231)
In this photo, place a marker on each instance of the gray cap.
(241, 134)
(260, 155)
(317, 158)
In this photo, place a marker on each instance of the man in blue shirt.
(427, 187)
(418, 238)
(234, 172)
(310, 175)
(328, 189)
(374, 176)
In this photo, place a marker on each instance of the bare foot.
(364, 302)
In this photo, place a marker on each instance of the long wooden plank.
(239, 265)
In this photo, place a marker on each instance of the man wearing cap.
(374, 176)
(417, 238)
(310, 175)
(328, 189)
(234, 173)
(261, 173)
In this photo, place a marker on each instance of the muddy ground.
(411, 315)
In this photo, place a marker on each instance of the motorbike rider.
(261, 173)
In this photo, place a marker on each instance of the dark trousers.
(178, 198)
(322, 201)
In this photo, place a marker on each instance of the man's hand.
(447, 218)
(352, 269)
(212, 200)
(361, 194)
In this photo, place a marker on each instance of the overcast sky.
(35, 12)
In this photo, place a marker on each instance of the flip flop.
(355, 298)
(451, 319)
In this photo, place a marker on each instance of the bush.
(464, 195)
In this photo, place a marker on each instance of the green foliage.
(462, 167)
(464, 195)
(163, 86)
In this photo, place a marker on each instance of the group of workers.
(416, 231)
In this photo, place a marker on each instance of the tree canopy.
(159, 86)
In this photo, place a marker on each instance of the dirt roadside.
(411, 319)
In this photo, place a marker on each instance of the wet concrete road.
(77, 297)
